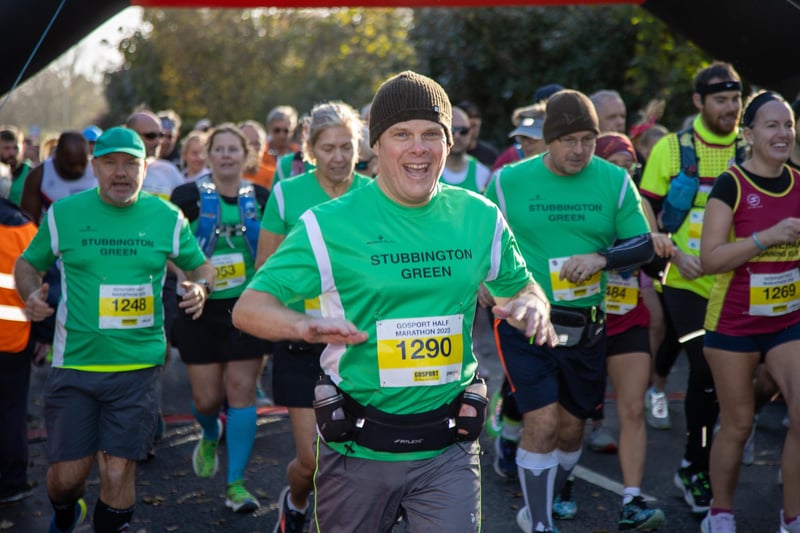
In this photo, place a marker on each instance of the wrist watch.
(204, 283)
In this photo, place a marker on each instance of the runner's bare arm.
(32, 291)
(261, 314)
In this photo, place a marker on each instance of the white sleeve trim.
(501, 199)
(278, 192)
(623, 191)
(51, 225)
(176, 235)
(496, 254)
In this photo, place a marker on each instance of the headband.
(756, 103)
(710, 88)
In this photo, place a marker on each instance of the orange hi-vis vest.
(16, 231)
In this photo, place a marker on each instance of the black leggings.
(669, 350)
(687, 310)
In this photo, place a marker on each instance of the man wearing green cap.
(101, 398)
(400, 421)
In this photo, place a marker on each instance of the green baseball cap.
(119, 139)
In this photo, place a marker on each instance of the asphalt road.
(171, 499)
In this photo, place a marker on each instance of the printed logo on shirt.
(753, 201)
(380, 240)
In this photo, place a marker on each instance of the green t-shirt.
(18, 182)
(283, 170)
(291, 198)
(555, 217)
(715, 154)
(110, 316)
(409, 278)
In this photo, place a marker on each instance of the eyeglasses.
(585, 142)
(463, 130)
(152, 135)
(280, 130)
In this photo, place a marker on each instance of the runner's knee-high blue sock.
(208, 423)
(241, 428)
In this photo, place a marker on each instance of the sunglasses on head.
(463, 130)
(152, 135)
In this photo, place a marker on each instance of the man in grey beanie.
(396, 266)
(575, 217)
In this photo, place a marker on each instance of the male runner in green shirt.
(396, 265)
(114, 242)
(575, 216)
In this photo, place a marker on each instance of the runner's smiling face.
(119, 178)
(411, 156)
(772, 133)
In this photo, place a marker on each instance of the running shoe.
(80, 516)
(505, 458)
(793, 527)
(656, 409)
(525, 524)
(16, 494)
(719, 523)
(289, 521)
(239, 499)
(696, 489)
(601, 441)
(636, 516)
(564, 505)
(204, 458)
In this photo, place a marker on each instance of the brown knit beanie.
(567, 112)
(409, 96)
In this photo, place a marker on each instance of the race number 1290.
(425, 348)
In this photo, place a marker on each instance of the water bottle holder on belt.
(577, 326)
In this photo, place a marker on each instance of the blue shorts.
(539, 375)
(760, 343)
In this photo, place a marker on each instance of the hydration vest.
(208, 225)
(684, 186)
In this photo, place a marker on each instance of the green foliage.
(497, 57)
(231, 65)
(238, 64)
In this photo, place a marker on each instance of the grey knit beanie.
(409, 96)
(569, 111)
